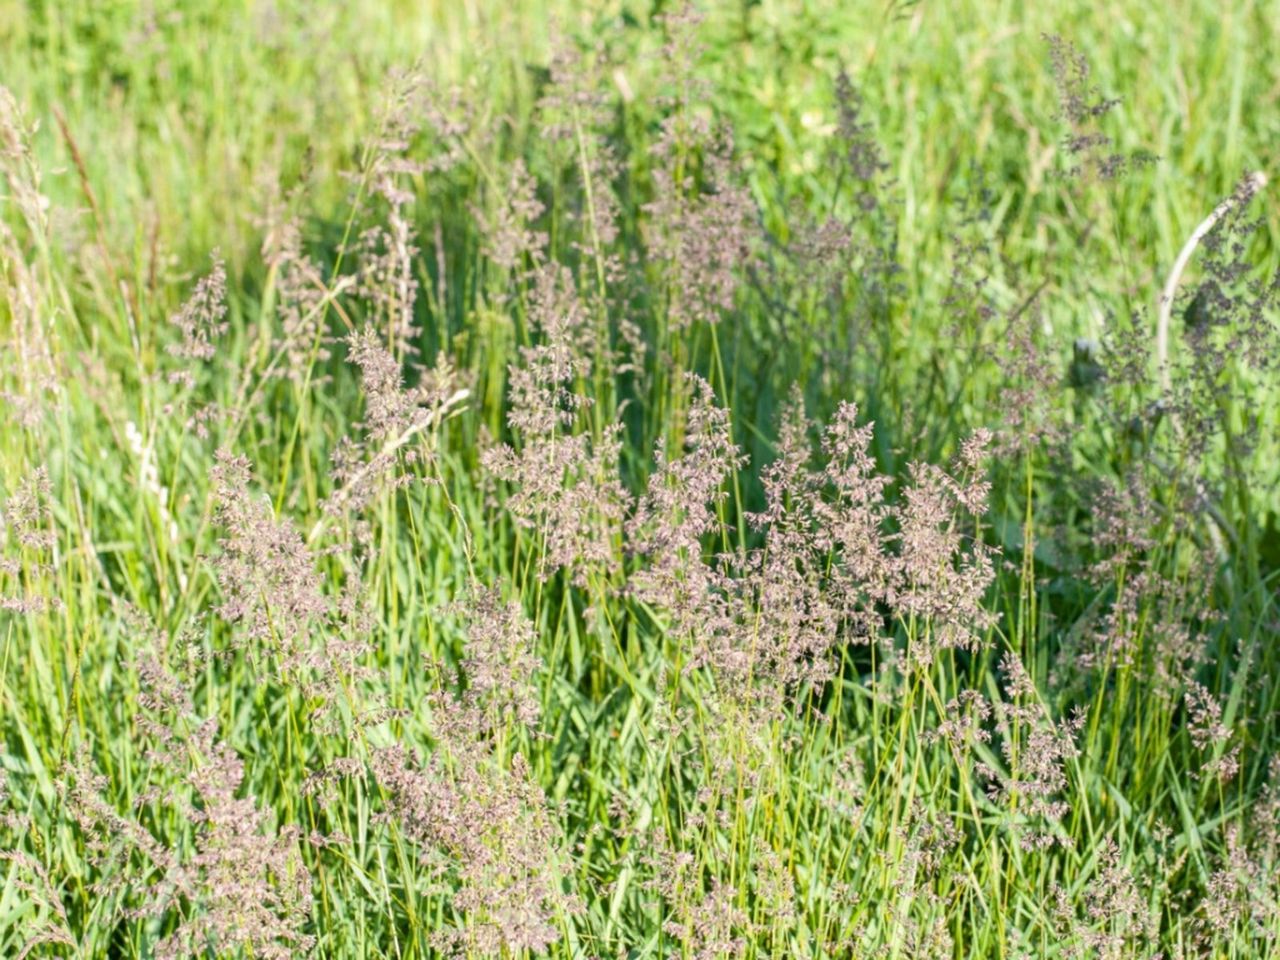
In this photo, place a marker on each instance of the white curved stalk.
(1242, 194)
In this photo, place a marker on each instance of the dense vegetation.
(775, 479)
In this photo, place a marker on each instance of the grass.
(264, 708)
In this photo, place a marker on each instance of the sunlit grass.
(1029, 713)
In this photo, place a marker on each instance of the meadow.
(611, 478)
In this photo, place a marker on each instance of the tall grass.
(504, 481)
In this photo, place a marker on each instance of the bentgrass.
(478, 582)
